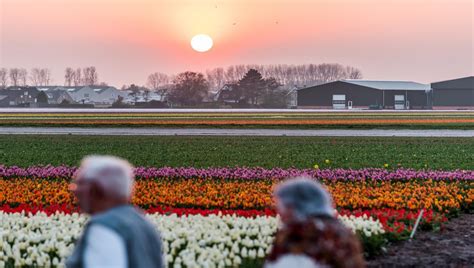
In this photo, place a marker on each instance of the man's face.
(82, 188)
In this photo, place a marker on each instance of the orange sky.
(421, 40)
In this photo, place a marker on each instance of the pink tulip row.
(65, 172)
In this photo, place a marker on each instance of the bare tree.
(40, 76)
(46, 76)
(86, 76)
(155, 80)
(91, 77)
(219, 77)
(14, 75)
(22, 76)
(353, 73)
(77, 78)
(35, 76)
(69, 76)
(3, 77)
(158, 82)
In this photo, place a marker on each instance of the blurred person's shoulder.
(293, 260)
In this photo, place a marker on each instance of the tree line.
(252, 90)
(254, 85)
(251, 85)
(87, 76)
(285, 74)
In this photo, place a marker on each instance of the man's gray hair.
(305, 197)
(113, 173)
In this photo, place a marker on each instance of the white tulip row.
(188, 241)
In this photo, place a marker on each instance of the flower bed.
(443, 196)
(208, 241)
(65, 172)
(228, 198)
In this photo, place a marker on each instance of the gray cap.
(306, 197)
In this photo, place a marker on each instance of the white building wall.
(84, 95)
(108, 96)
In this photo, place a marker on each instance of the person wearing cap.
(117, 235)
(310, 235)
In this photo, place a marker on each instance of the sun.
(201, 42)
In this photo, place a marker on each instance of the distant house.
(56, 94)
(81, 94)
(292, 97)
(19, 97)
(454, 94)
(96, 95)
(142, 96)
(349, 94)
(209, 97)
(228, 95)
(106, 95)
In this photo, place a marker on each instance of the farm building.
(454, 94)
(348, 94)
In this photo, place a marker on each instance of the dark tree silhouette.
(189, 89)
(273, 96)
(252, 86)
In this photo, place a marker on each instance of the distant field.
(269, 152)
(241, 118)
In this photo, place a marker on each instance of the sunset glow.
(419, 40)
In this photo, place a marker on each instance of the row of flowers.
(440, 196)
(397, 223)
(32, 240)
(244, 173)
(234, 121)
(231, 113)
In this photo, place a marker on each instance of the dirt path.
(240, 132)
(452, 247)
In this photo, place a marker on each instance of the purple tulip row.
(65, 172)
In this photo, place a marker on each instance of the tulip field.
(213, 214)
(248, 118)
(380, 205)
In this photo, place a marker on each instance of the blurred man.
(117, 235)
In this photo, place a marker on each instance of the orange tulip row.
(256, 194)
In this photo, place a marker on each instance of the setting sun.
(201, 42)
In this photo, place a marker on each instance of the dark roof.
(55, 94)
(458, 83)
(389, 85)
(381, 85)
(72, 88)
(16, 91)
(100, 89)
(13, 93)
(47, 88)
